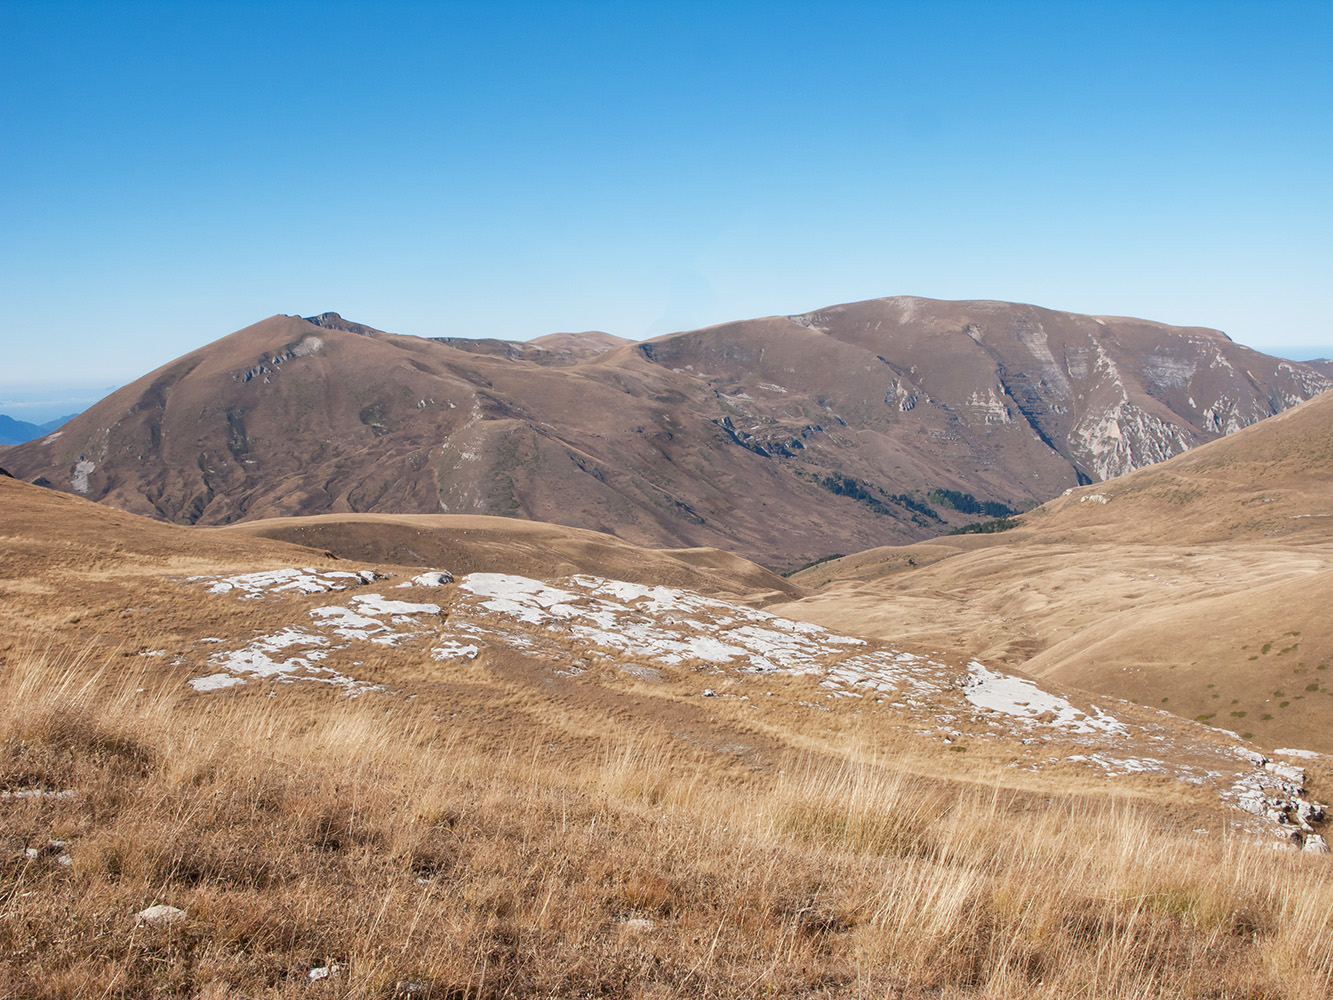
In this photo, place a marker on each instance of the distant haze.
(40, 403)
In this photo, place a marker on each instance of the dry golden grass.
(307, 830)
(1173, 626)
(492, 830)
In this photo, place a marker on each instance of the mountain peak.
(334, 321)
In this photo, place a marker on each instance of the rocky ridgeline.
(615, 631)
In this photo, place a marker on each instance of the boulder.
(435, 578)
(1309, 812)
(160, 915)
(1253, 802)
(1288, 772)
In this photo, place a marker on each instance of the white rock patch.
(590, 625)
(215, 682)
(451, 650)
(1303, 754)
(374, 604)
(299, 653)
(79, 479)
(308, 346)
(1022, 698)
(282, 581)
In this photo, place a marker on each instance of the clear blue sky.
(171, 172)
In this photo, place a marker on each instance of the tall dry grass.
(308, 831)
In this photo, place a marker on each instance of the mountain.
(783, 439)
(18, 431)
(1199, 586)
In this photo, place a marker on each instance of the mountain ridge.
(783, 438)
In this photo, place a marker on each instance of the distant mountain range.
(784, 439)
(14, 431)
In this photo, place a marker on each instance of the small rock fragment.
(160, 915)
(709, 693)
(1315, 844)
(324, 971)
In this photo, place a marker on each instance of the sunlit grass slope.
(424, 860)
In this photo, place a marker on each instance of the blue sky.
(172, 172)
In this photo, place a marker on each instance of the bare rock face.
(333, 321)
(783, 439)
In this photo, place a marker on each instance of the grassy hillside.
(567, 820)
(422, 857)
(1200, 585)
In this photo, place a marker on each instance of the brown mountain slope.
(552, 349)
(783, 439)
(1200, 585)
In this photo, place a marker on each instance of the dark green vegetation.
(922, 511)
(987, 527)
(966, 503)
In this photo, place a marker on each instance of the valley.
(1197, 585)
